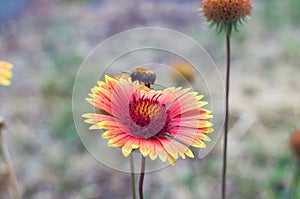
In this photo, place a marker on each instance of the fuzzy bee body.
(144, 76)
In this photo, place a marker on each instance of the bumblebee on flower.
(163, 123)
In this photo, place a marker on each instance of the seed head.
(226, 14)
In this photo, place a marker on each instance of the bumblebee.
(144, 76)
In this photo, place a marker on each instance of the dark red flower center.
(148, 116)
(143, 111)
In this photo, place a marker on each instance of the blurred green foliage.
(280, 179)
(293, 14)
(276, 14)
(62, 49)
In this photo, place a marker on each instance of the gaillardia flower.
(5, 73)
(157, 123)
(226, 14)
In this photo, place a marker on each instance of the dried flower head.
(5, 73)
(295, 142)
(157, 123)
(226, 14)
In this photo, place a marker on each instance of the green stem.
(132, 176)
(142, 175)
(226, 116)
(295, 186)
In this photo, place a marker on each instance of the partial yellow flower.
(184, 69)
(5, 73)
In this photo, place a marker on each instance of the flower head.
(184, 69)
(295, 142)
(5, 73)
(226, 14)
(157, 123)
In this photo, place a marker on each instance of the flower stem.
(226, 116)
(13, 183)
(142, 177)
(295, 186)
(132, 176)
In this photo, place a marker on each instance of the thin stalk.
(13, 183)
(142, 175)
(132, 176)
(295, 185)
(226, 116)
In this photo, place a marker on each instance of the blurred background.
(47, 42)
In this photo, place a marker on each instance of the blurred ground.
(48, 40)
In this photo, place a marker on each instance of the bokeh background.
(47, 42)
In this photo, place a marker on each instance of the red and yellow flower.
(5, 73)
(160, 124)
